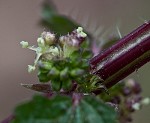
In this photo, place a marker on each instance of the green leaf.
(59, 24)
(97, 111)
(48, 8)
(60, 109)
(42, 110)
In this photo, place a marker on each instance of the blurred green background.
(19, 20)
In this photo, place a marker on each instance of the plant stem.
(123, 58)
(8, 119)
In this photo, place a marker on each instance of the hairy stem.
(123, 58)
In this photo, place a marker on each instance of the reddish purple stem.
(8, 119)
(123, 58)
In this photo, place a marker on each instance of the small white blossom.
(24, 44)
(81, 33)
(54, 51)
(31, 68)
(41, 42)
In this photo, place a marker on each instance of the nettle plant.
(78, 86)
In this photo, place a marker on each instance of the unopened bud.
(53, 72)
(50, 38)
(77, 72)
(64, 73)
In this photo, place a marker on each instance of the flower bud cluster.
(45, 49)
(49, 47)
(59, 59)
(72, 41)
(127, 97)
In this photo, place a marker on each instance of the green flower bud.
(54, 72)
(45, 65)
(64, 74)
(77, 72)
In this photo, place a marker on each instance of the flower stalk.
(123, 58)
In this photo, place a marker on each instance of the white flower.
(24, 44)
(31, 68)
(81, 33)
(41, 42)
(54, 51)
